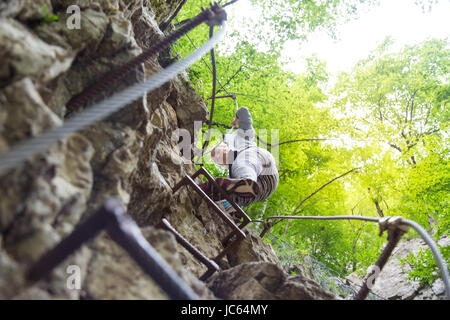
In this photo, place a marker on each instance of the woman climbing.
(253, 175)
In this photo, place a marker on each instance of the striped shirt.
(256, 164)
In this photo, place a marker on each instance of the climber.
(253, 175)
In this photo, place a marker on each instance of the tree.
(401, 100)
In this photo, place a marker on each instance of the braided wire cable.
(443, 268)
(119, 73)
(371, 219)
(22, 151)
(213, 97)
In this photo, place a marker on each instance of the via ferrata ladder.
(236, 234)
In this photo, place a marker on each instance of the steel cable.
(22, 151)
(213, 98)
(437, 255)
(213, 72)
(119, 73)
(325, 218)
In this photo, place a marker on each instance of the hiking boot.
(243, 187)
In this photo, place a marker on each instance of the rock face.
(264, 281)
(252, 249)
(131, 156)
(392, 282)
(25, 55)
(126, 280)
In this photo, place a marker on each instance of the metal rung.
(228, 237)
(210, 264)
(221, 214)
(124, 231)
(236, 230)
(241, 213)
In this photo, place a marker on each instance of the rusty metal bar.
(179, 185)
(244, 224)
(184, 181)
(210, 264)
(238, 209)
(207, 274)
(236, 230)
(228, 237)
(82, 233)
(221, 214)
(123, 230)
(202, 170)
(227, 249)
(393, 239)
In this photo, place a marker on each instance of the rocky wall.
(393, 283)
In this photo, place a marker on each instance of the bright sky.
(401, 19)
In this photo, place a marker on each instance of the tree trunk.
(379, 210)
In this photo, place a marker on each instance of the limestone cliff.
(129, 156)
(393, 283)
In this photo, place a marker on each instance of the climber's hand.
(220, 154)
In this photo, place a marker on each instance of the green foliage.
(423, 265)
(400, 102)
(293, 20)
(47, 16)
(213, 168)
(389, 116)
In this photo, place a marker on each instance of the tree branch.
(165, 24)
(395, 146)
(323, 186)
(379, 210)
(285, 171)
(250, 95)
(290, 141)
(315, 192)
(218, 124)
(231, 78)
